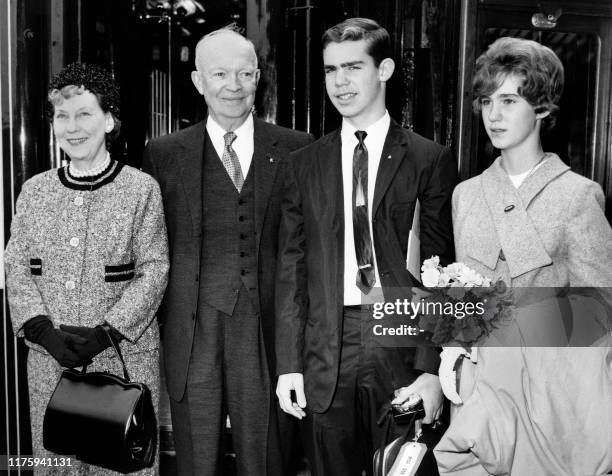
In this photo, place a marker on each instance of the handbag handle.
(106, 328)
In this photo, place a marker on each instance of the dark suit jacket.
(176, 162)
(310, 292)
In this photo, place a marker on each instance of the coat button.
(70, 285)
(78, 201)
(74, 241)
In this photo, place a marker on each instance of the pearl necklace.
(91, 172)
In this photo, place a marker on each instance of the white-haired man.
(222, 203)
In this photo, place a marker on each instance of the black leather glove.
(40, 330)
(96, 340)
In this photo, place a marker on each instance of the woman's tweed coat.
(82, 252)
(535, 408)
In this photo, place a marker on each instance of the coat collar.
(508, 209)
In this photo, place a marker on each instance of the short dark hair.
(538, 66)
(355, 29)
(77, 78)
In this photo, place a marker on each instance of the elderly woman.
(530, 407)
(88, 248)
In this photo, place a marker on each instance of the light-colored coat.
(84, 255)
(527, 409)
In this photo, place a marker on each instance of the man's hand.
(286, 383)
(427, 386)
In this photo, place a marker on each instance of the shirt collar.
(377, 129)
(216, 132)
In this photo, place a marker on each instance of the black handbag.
(102, 419)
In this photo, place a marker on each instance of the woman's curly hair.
(538, 66)
(77, 78)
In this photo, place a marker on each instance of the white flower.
(444, 280)
(430, 276)
(469, 277)
(430, 272)
(455, 270)
(433, 262)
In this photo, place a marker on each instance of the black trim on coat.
(90, 183)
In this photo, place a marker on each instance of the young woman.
(529, 407)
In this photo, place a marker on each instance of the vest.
(228, 236)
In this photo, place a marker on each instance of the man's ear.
(385, 69)
(197, 81)
(257, 76)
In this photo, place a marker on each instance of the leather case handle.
(106, 328)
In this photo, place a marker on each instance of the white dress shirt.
(242, 145)
(374, 142)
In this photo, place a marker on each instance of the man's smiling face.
(355, 85)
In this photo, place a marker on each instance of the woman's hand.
(58, 343)
(93, 341)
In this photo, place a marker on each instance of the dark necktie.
(231, 162)
(361, 223)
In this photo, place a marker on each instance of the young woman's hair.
(538, 66)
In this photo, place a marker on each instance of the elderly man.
(221, 190)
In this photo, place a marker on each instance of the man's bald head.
(228, 37)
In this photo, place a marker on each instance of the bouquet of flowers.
(466, 306)
(460, 305)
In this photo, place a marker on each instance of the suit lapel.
(393, 153)
(190, 165)
(265, 164)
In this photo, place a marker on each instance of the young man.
(346, 214)
(222, 198)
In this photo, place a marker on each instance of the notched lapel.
(265, 164)
(392, 156)
(190, 165)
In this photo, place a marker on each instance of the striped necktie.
(231, 162)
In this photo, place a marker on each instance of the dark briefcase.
(102, 419)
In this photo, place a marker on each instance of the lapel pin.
(389, 156)
(271, 159)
